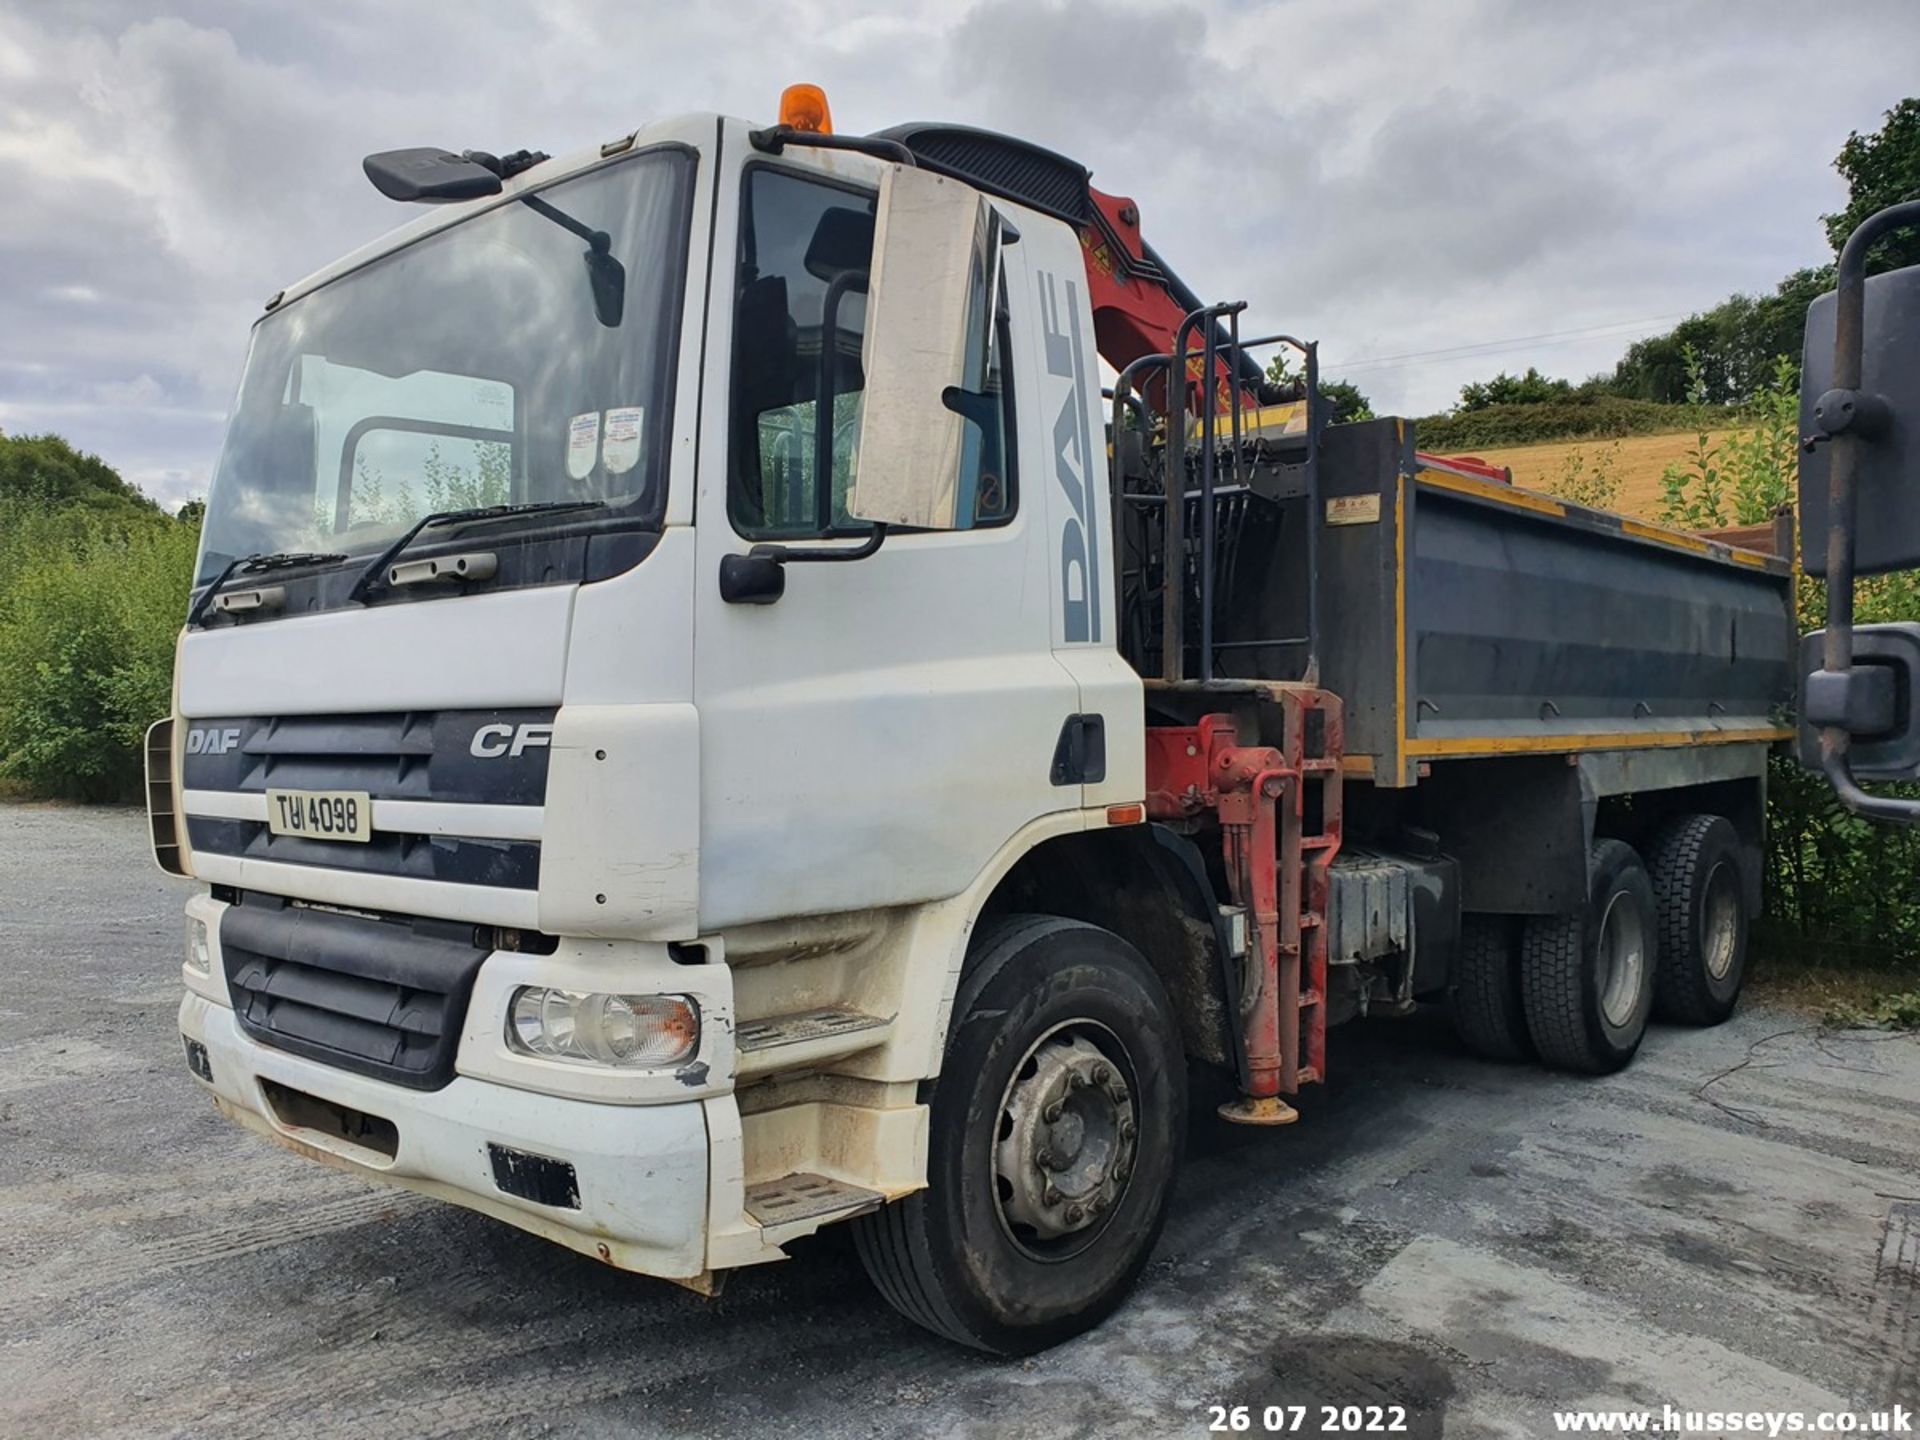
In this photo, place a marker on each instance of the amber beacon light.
(804, 107)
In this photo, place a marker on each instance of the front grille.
(450, 758)
(453, 859)
(382, 998)
(487, 757)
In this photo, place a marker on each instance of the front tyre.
(1058, 1122)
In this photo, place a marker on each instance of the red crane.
(1139, 306)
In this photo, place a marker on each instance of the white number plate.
(321, 814)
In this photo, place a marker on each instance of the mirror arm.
(785, 554)
(759, 577)
(776, 138)
(1847, 436)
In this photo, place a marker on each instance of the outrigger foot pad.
(1261, 1110)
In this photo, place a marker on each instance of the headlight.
(592, 1029)
(199, 950)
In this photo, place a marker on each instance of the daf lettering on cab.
(698, 721)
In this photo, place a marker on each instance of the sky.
(1435, 191)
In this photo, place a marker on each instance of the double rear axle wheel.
(1663, 936)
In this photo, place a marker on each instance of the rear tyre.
(1586, 979)
(1695, 867)
(1483, 997)
(1057, 1125)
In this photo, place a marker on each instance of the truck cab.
(528, 849)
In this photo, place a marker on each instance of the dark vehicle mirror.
(842, 243)
(430, 175)
(1879, 708)
(607, 279)
(1860, 511)
(1883, 410)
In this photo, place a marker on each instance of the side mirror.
(931, 300)
(1878, 707)
(1880, 410)
(1860, 461)
(429, 174)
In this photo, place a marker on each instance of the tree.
(1346, 398)
(44, 470)
(1736, 343)
(1347, 401)
(1532, 388)
(1881, 169)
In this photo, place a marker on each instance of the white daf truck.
(688, 739)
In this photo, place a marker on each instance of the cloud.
(1396, 180)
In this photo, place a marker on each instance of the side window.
(987, 458)
(799, 314)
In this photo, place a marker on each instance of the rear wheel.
(1695, 867)
(1057, 1125)
(1586, 979)
(1483, 997)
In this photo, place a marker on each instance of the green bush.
(1597, 417)
(89, 608)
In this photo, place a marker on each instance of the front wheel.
(1058, 1121)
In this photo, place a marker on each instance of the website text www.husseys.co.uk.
(1895, 1421)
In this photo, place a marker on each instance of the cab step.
(774, 1204)
(805, 1037)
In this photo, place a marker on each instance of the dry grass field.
(1637, 461)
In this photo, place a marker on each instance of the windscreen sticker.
(622, 450)
(583, 444)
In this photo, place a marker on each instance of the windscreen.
(521, 356)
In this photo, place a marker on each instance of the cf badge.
(490, 742)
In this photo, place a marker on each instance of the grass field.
(1638, 461)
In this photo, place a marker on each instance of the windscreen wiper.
(386, 557)
(253, 564)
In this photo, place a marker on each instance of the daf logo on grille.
(490, 742)
(213, 742)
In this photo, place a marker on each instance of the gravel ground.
(1734, 1223)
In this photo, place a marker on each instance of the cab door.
(878, 732)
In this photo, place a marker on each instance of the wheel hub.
(1623, 958)
(1068, 1130)
(1722, 938)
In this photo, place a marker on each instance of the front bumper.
(641, 1171)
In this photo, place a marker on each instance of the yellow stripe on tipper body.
(1458, 746)
(1492, 490)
